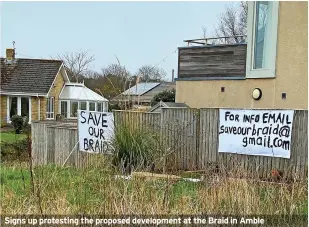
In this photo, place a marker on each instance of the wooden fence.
(188, 136)
(191, 138)
(55, 142)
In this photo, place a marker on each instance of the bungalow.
(40, 89)
(269, 71)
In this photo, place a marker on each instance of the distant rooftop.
(140, 88)
(156, 108)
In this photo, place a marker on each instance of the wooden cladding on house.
(212, 61)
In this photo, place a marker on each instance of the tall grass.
(135, 148)
(96, 191)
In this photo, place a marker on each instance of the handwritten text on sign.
(256, 132)
(95, 131)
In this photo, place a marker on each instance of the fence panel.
(137, 119)
(188, 137)
(179, 133)
(254, 165)
(39, 139)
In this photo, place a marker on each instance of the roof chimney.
(173, 75)
(10, 54)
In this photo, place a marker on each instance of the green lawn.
(9, 137)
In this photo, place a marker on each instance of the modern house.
(40, 89)
(143, 93)
(269, 70)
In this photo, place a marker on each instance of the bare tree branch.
(77, 64)
(233, 22)
(149, 73)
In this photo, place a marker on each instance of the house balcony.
(213, 59)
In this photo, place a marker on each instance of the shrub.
(26, 126)
(134, 148)
(164, 96)
(113, 106)
(18, 123)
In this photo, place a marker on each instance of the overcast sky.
(138, 33)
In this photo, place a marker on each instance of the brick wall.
(43, 108)
(35, 110)
(55, 92)
(3, 112)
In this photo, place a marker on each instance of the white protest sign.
(256, 132)
(95, 131)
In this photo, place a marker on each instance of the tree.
(148, 73)
(116, 70)
(118, 79)
(164, 96)
(204, 32)
(77, 64)
(233, 22)
(112, 81)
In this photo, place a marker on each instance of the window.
(91, 106)
(83, 105)
(50, 108)
(24, 107)
(105, 106)
(262, 39)
(13, 106)
(74, 107)
(260, 33)
(64, 108)
(100, 107)
(17, 105)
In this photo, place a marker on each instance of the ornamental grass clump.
(135, 148)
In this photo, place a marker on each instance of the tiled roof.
(28, 75)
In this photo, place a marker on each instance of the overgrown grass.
(10, 137)
(14, 151)
(96, 191)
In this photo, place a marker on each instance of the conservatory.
(76, 96)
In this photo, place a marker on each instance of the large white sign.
(95, 131)
(256, 132)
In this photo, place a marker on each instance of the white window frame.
(95, 106)
(105, 106)
(18, 107)
(68, 102)
(53, 108)
(78, 107)
(99, 103)
(269, 72)
(67, 105)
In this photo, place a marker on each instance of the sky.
(138, 33)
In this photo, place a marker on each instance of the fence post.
(197, 135)
(161, 140)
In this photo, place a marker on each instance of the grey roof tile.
(28, 75)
